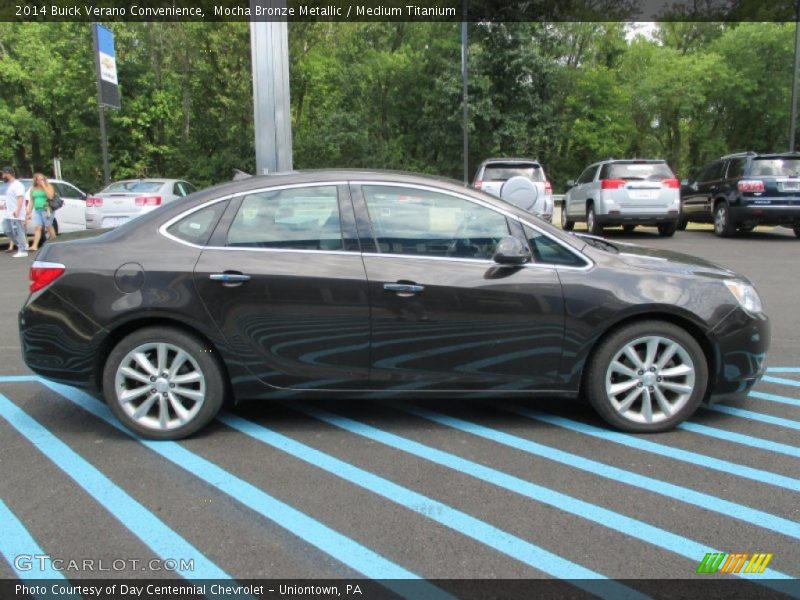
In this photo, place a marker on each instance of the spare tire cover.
(520, 191)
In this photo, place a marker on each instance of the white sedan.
(124, 200)
(71, 216)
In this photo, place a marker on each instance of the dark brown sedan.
(356, 283)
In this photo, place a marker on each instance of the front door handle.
(404, 290)
(230, 278)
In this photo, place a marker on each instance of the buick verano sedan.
(354, 283)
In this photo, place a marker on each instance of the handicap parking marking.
(501, 541)
(755, 416)
(17, 542)
(780, 380)
(628, 526)
(740, 438)
(758, 395)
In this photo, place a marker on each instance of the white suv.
(624, 192)
(520, 181)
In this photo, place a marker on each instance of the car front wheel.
(163, 383)
(647, 376)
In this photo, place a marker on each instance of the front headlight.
(745, 294)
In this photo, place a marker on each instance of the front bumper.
(742, 342)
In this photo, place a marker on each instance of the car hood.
(668, 261)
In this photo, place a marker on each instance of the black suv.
(739, 191)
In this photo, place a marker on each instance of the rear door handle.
(229, 279)
(403, 289)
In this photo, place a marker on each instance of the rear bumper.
(637, 219)
(742, 341)
(766, 214)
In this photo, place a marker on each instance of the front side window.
(420, 222)
(304, 218)
(547, 251)
(588, 175)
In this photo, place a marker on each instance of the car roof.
(510, 160)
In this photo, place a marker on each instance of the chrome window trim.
(163, 229)
(589, 263)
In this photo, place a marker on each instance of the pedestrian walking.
(39, 211)
(16, 215)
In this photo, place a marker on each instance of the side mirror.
(511, 251)
(570, 183)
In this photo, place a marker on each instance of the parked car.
(623, 192)
(359, 282)
(124, 200)
(507, 178)
(71, 216)
(740, 191)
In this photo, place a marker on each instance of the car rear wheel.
(797, 230)
(566, 224)
(163, 383)
(591, 222)
(628, 228)
(722, 221)
(682, 223)
(647, 376)
(667, 229)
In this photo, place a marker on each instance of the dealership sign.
(106, 61)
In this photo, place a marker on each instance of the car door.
(444, 315)
(284, 281)
(72, 215)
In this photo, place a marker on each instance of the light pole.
(793, 125)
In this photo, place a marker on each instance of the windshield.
(640, 171)
(134, 186)
(498, 172)
(786, 167)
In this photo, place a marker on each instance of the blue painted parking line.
(629, 526)
(775, 398)
(153, 532)
(331, 542)
(739, 438)
(454, 519)
(623, 476)
(16, 542)
(672, 452)
(783, 370)
(781, 381)
(755, 416)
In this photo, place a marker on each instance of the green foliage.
(389, 95)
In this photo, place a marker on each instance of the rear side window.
(777, 167)
(638, 171)
(504, 172)
(294, 219)
(736, 167)
(196, 227)
(548, 251)
(424, 223)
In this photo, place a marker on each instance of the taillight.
(93, 201)
(43, 274)
(751, 185)
(148, 201)
(612, 184)
(548, 189)
(671, 183)
(478, 184)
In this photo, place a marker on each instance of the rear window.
(500, 172)
(134, 186)
(781, 167)
(638, 171)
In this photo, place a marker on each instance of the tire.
(667, 229)
(627, 410)
(796, 229)
(628, 228)
(746, 228)
(204, 392)
(566, 224)
(591, 222)
(722, 221)
(682, 223)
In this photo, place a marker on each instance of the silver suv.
(624, 192)
(520, 181)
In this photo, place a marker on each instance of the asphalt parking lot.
(479, 489)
